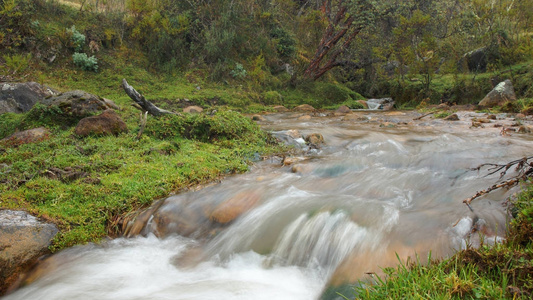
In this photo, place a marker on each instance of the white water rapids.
(369, 193)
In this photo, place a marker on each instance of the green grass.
(503, 271)
(123, 174)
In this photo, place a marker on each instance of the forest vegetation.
(248, 55)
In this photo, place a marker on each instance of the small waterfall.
(319, 241)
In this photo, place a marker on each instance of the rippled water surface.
(382, 184)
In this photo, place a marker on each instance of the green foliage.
(123, 174)
(272, 98)
(502, 271)
(17, 63)
(238, 72)
(85, 62)
(223, 125)
(9, 123)
(284, 41)
(77, 38)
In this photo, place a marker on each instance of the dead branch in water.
(424, 115)
(139, 99)
(523, 166)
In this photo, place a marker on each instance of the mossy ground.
(122, 173)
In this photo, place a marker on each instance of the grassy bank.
(503, 271)
(116, 175)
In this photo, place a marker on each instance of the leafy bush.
(238, 72)
(84, 62)
(78, 39)
(330, 93)
(272, 97)
(285, 43)
(17, 63)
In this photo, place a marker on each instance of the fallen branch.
(424, 115)
(139, 99)
(523, 167)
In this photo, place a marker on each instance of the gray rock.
(476, 60)
(21, 97)
(78, 103)
(23, 239)
(502, 93)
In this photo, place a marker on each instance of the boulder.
(193, 109)
(78, 104)
(258, 118)
(452, 117)
(23, 239)
(502, 93)
(235, 206)
(476, 60)
(26, 137)
(304, 107)
(363, 103)
(304, 118)
(280, 108)
(107, 123)
(20, 97)
(315, 139)
(290, 137)
(382, 103)
(177, 216)
(343, 110)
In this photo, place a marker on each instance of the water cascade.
(288, 232)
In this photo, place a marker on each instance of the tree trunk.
(341, 26)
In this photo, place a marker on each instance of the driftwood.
(522, 166)
(424, 115)
(142, 103)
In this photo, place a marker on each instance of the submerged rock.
(229, 210)
(452, 117)
(23, 239)
(315, 139)
(343, 110)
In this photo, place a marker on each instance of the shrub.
(78, 39)
(84, 62)
(272, 97)
(238, 72)
(17, 63)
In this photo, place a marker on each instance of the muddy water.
(382, 184)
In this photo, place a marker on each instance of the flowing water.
(382, 185)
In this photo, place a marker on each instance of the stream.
(381, 186)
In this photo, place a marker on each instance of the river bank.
(393, 143)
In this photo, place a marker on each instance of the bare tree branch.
(139, 99)
(523, 166)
